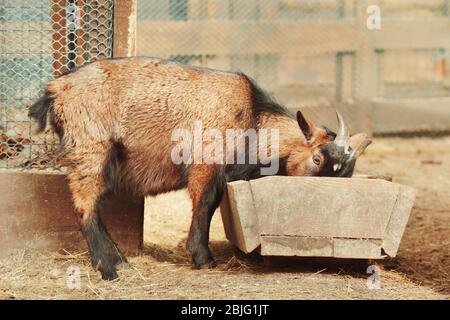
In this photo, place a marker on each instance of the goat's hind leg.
(105, 255)
(87, 190)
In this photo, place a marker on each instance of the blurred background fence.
(318, 54)
(315, 55)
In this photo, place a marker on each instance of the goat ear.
(329, 132)
(359, 142)
(305, 125)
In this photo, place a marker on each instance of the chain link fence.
(39, 40)
(315, 55)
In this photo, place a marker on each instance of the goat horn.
(343, 134)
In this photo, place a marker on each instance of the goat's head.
(325, 153)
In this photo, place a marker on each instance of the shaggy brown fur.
(115, 119)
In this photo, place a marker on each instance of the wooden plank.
(412, 74)
(413, 33)
(321, 247)
(37, 212)
(245, 37)
(346, 8)
(411, 115)
(241, 229)
(297, 70)
(124, 43)
(196, 9)
(354, 208)
(357, 248)
(414, 8)
(223, 9)
(399, 219)
(268, 9)
(344, 77)
(366, 69)
(372, 176)
(296, 246)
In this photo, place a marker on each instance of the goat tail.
(40, 109)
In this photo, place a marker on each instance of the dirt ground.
(420, 271)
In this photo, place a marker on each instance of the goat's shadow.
(230, 258)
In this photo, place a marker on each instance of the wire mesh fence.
(39, 40)
(262, 38)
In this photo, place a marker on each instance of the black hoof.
(106, 267)
(109, 261)
(109, 275)
(203, 260)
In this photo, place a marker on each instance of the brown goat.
(115, 119)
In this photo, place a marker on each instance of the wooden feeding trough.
(317, 217)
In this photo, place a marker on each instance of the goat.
(115, 118)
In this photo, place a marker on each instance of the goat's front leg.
(206, 184)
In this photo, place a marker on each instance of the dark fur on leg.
(105, 256)
(103, 251)
(198, 238)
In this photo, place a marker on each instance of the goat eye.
(316, 160)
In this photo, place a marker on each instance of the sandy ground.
(420, 271)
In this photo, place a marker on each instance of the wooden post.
(366, 66)
(344, 74)
(125, 14)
